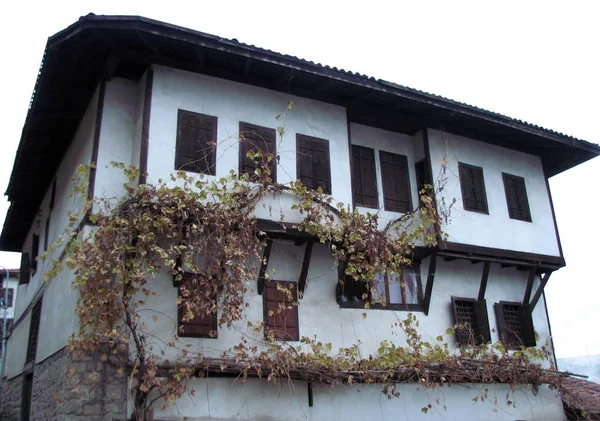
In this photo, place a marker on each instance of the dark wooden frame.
(299, 138)
(295, 309)
(387, 188)
(353, 181)
(144, 147)
(243, 127)
(526, 321)
(483, 191)
(482, 325)
(505, 178)
(210, 151)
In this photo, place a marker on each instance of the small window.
(281, 310)
(196, 145)
(364, 179)
(9, 301)
(472, 188)
(34, 328)
(25, 271)
(312, 162)
(394, 291)
(35, 248)
(516, 197)
(471, 317)
(515, 324)
(396, 182)
(257, 139)
(202, 325)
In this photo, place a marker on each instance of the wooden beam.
(247, 65)
(146, 126)
(430, 279)
(310, 394)
(540, 289)
(304, 271)
(484, 278)
(263, 266)
(529, 287)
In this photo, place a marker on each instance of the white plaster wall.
(232, 103)
(138, 119)
(256, 399)
(496, 229)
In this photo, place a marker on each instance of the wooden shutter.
(34, 328)
(482, 321)
(364, 179)
(516, 197)
(472, 187)
(25, 271)
(35, 247)
(528, 331)
(203, 325)
(396, 182)
(257, 139)
(474, 315)
(515, 324)
(195, 149)
(312, 162)
(282, 322)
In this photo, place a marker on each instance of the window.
(26, 397)
(281, 310)
(257, 139)
(396, 182)
(35, 247)
(516, 197)
(9, 302)
(312, 162)
(53, 195)
(203, 325)
(9, 326)
(25, 271)
(364, 179)
(196, 144)
(34, 328)
(472, 188)
(515, 324)
(422, 174)
(472, 317)
(389, 291)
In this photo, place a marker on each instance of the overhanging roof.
(103, 46)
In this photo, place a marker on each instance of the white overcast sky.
(536, 61)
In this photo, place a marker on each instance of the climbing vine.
(206, 226)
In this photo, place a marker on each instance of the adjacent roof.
(587, 396)
(98, 47)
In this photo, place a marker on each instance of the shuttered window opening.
(25, 270)
(196, 144)
(422, 174)
(204, 325)
(26, 397)
(35, 248)
(313, 162)
(516, 197)
(34, 328)
(257, 139)
(471, 321)
(396, 182)
(281, 310)
(472, 187)
(515, 324)
(364, 178)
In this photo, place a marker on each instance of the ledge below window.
(393, 307)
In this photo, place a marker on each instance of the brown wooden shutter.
(203, 325)
(257, 139)
(312, 162)
(472, 188)
(34, 328)
(515, 324)
(396, 182)
(284, 323)
(528, 331)
(482, 321)
(499, 310)
(364, 178)
(9, 300)
(464, 315)
(195, 149)
(25, 271)
(35, 247)
(516, 197)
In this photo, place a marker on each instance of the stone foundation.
(69, 389)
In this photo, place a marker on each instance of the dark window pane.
(516, 197)
(312, 162)
(472, 188)
(196, 142)
(396, 182)
(257, 139)
(364, 179)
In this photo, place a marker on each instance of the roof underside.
(98, 47)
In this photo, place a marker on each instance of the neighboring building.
(13, 282)
(127, 89)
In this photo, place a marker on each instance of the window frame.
(294, 308)
(243, 150)
(526, 325)
(348, 280)
(212, 319)
(462, 167)
(481, 329)
(299, 139)
(34, 330)
(506, 178)
(211, 145)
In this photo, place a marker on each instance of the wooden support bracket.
(430, 279)
(484, 278)
(305, 265)
(529, 287)
(263, 266)
(540, 289)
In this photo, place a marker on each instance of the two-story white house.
(165, 98)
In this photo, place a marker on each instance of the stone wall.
(70, 389)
